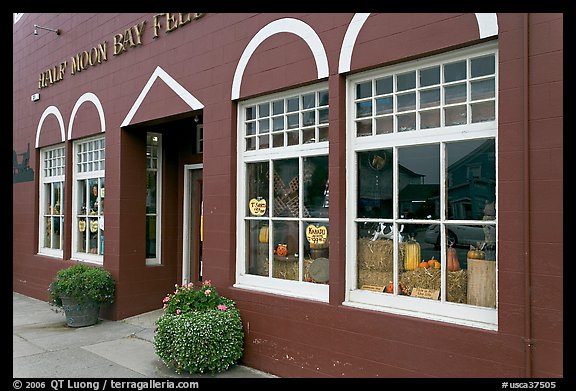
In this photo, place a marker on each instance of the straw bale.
(430, 279)
(377, 255)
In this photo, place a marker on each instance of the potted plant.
(80, 290)
(199, 331)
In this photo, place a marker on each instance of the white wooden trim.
(55, 112)
(285, 25)
(159, 169)
(186, 222)
(87, 97)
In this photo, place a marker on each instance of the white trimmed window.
(88, 202)
(153, 197)
(52, 171)
(422, 187)
(283, 227)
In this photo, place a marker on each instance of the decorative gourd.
(475, 253)
(411, 255)
(431, 262)
(264, 232)
(423, 264)
(452, 259)
(390, 287)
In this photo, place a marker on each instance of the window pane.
(455, 71)
(384, 105)
(406, 122)
(150, 236)
(92, 229)
(455, 115)
(151, 195)
(250, 143)
(83, 208)
(364, 109)
(308, 136)
(471, 268)
(263, 110)
(406, 101)
(471, 174)
(419, 274)
(257, 179)
(482, 89)
(323, 134)
(384, 85)
(323, 116)
(323, 98)
(406, 81)
(263, 142)
(316, 241)
(315, 182)
(484, 111)
(292, 104)
(308, 101)
(364, 90)
(430, 76)
(286, 184)
(264, 126)
(375, 183)
(429, 119)
(455, 94)
(277, 123)
(293, 121)
(277, 140)
(384, 125)
(250, 128)
(364, 128)
(278, 107)
(308, 118)
(285, 244)
(430, 98)
(47, 232)
(257, 242)
(293, 137)
(375, 257)
(419, 182)
(481, 66)
(250, 113)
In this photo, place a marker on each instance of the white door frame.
(186, 222)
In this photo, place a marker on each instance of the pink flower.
(207, 292)
(166, 299)
(165, 305)
(222, 307)
(190, 285)
(207, 283)
(178, 311)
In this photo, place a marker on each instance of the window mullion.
(443, 194)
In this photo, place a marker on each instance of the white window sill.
(275, 286)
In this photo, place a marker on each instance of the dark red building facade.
(381, 194)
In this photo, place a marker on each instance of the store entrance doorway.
(193, 224)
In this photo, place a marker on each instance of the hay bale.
(287, 268)
(373, 277)
(429, 278)
(377, 255)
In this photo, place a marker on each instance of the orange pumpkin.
(431, 262)
(390, 287)
(282, 250)
(475, 253)
(423, 264)
(437, 265)
(452, 261)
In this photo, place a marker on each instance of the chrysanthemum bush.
(199, 331)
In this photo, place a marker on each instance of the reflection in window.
(375, 177)
(52, 201)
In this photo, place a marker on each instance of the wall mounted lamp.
(36, 27)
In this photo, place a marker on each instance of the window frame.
(463, 314)
(76, 177)
(158, 259)
(292, 288)
(44, 180)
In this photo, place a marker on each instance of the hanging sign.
(316, 234)
(257, 206)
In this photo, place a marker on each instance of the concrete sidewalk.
(43, 346)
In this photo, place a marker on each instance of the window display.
(53, 165)
(423, 210)
(285, 202)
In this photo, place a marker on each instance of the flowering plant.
(199, 331)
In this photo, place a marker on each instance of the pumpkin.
(282, 250)
(390, 287)
(411, 255)
(423, 264)
(452, 262)
(437, 265)
(264, 232)
(475, 253)
(431, 262)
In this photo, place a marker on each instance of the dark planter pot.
(80, 315)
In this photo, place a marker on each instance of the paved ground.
(43, 346)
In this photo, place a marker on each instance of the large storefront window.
(88, 203)
(52, 171)
(422, 206)
(153, 192)
(283, 193)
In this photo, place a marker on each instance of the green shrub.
(199, 331)
(84, 284)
